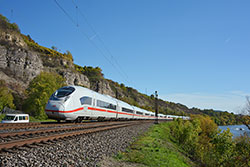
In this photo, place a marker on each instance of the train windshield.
(62, 92)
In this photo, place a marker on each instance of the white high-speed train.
(75, 103)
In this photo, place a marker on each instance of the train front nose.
(55, 110)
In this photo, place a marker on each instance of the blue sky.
(192, 52)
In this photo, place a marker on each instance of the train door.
(118, 109)
(133, 116)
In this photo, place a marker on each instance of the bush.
(185, 134)
(39, 91)
(203, 142)
(224, 149)
(242, 151)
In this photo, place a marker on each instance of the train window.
(146, 114)
(152, 114)
(138, 112)
(64, 91)
(104, 104)
(22, 118)
(127, 110)
(86, 100)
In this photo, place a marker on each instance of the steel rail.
(6, 126)
(58, 130)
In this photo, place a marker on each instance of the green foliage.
(6, 98)
(185, 134)
(242, 151)
(39, 91)
(154, 149)
(205, 144)
(1, 117)
(54, 48)
(5, 23)
(222, 118)
(223, 148)
(123, 87)
(68, 55)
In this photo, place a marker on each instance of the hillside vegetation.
(54, 62)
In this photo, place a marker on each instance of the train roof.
(17, 114)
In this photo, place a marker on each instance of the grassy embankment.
(155, 148)
(188, 143)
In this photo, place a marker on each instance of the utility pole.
(156, 107)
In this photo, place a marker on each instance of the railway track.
(18, 125)
(19, 139)
(4, 128)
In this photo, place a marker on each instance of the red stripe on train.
(97, 109)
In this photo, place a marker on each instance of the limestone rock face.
(103, 87)
(20, 64)
(11, 39)
(75, 78)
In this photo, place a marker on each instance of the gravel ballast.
(86, 150)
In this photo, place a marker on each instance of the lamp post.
(156, 107)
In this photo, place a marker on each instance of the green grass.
(155, 149)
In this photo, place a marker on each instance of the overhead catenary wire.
(90, 38)
(100, 39)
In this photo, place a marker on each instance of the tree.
(68, 55)
(6, 98)
(54, 48)
(39, 91)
